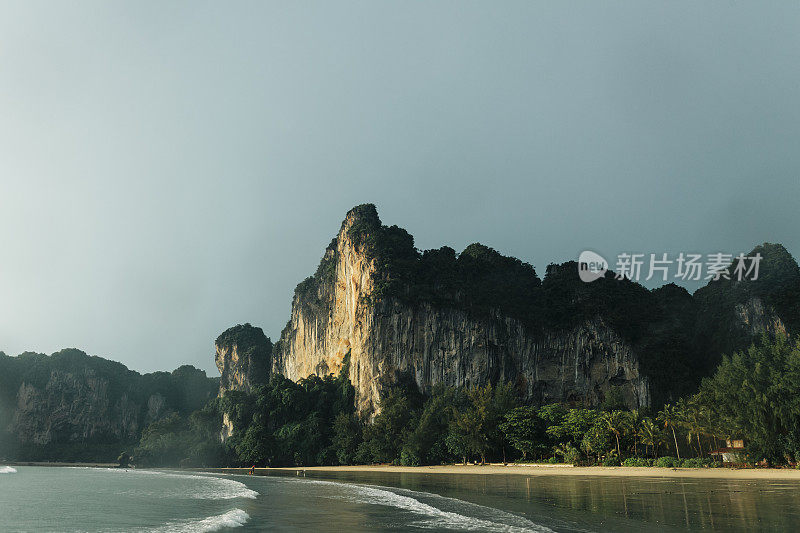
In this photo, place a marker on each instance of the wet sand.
(549, 470)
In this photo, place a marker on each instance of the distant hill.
(70, 406)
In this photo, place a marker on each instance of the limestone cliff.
(732, 312)
(74, 406)
(342, 310)
(755, 318)
(475, 317)
(70, 406)
(243, 357)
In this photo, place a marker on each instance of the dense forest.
(754, 395)
(279, 423)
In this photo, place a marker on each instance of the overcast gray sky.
(169, 169)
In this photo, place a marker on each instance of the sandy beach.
(548, 470)
(500, 469)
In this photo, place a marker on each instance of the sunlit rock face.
(337, 312)
(227, 428)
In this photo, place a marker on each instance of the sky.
(171, 169)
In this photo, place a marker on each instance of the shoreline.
(490, 469)
(60, 464)
(538, 470)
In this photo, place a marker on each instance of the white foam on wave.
(233, 518)
(7, 470)
(212, 488)
(433, 517)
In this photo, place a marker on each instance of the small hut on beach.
(732, 453)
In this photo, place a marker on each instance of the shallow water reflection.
(612, 503)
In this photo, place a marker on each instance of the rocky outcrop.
(244, 360)
(243, 357)
(756, 318)
(339, 314)
(479, 317)
(75, 407)
(227, 427)
(448, 346)
(732, 312)
(70, 406)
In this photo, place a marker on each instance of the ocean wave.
(434, 517)
(233, 518)
(7, 470)
(212, 488)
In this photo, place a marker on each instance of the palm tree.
(618, 423)
(568, 451)
(692, 419)
(634, 419)
(650, 435)
(669, 417)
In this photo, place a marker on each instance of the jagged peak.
(777, 257)
(777, 268)
(774, 248)
(364, 215)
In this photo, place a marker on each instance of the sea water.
(39, 499)
(91, 499)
